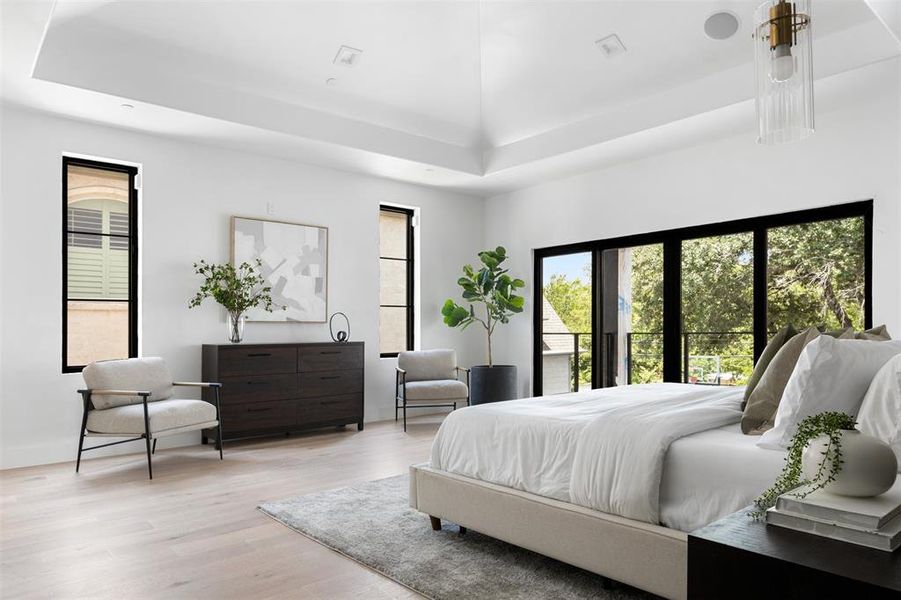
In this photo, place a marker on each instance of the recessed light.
(331, 81)
(127, 106)
(347, 56)
(611, 46)
(429, 170)
(721, 25)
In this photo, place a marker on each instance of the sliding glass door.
(632, 315)
(718, 309)
(697, 304)
(566, 323)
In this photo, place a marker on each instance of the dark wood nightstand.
(737, 557)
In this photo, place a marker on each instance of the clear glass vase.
(235, 324)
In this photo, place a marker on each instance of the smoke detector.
(347, 56)
(611, 46)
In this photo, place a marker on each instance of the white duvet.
(603, 449)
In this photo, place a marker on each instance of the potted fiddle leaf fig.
(491, 286)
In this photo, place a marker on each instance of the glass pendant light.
(784, 67)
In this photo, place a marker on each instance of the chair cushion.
(150, 374)
(439, 389)
(427, 365)
(164, 414)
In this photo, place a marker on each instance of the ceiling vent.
(347, 56)
(611, 46)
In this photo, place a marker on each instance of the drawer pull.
(257, 383)
(255, 354)
(330, 352)
(330, 377)
(258, 409)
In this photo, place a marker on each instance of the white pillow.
(830, 374)
(880, 412)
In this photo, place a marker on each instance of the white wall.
(854, 155)
(189, 193)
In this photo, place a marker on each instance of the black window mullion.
(759, 289)
(672, 309)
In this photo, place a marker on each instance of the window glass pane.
(718, 309)
(392, 330)
(392, 234)
(632, 300)
(393, 275)
(815, 275)
(96, 331)
(98, 271)
(566, 324)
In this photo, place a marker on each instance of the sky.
(571, 265)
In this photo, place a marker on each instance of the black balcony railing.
(708, 357)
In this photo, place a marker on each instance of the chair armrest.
(197, 384)
(142, 393)
(464, 369)
(399, 370)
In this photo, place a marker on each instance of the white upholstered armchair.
(429, 379)
(133, 398)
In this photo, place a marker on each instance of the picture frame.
(294, 263)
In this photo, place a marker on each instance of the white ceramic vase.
(868, 467)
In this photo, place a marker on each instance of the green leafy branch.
(830, 424)
(237, 289)
(492, 286)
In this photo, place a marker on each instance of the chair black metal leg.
(405, 417)
(149, 463)
(80, 446)
(395, 410)
(84, 423)
(153, 451)
(147, 438)
(219, 439)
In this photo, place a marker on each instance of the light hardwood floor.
(194, 530)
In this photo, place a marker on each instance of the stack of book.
(873, 522)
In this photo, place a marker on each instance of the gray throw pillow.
(876, 334)
(772, 347)
(760, 409)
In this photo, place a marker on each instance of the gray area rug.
(373, 524)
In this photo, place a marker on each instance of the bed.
(609, 480)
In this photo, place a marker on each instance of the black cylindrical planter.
(492, 384)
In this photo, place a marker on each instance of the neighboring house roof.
(552, 323)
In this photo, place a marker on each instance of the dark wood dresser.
(279, 388)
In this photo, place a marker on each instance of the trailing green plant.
(492, 286)
(237, 289)
(830, 424)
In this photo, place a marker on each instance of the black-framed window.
(396, 260)
(100, 262)
(699, 303)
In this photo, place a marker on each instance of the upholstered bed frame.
(649, 557)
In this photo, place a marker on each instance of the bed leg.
(462, 530)
(436, 523)
(606, 583)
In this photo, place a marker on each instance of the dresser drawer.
(258, 388)
(333, 408)
(258, 415)
(329, 357)
(330, 383)
(257, 361)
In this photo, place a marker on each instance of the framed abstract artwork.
(294, 261)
